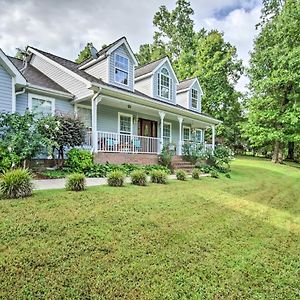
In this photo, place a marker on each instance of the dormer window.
(195, 99)
(164, 84)
(121, 69)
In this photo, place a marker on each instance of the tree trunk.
(277, 153)
(291, 148)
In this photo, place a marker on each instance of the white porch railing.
(128, 143)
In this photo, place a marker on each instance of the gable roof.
(186, 84)
(35, 77)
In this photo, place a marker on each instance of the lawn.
(235, 238)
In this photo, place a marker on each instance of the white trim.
(191, 98)
(83, 106)
(54, 63)
(201, 136)
(166, 59)
(131, 121)
(189, 128)
(169, 123)
(40, 89)
(14, 97)
(125, 71)
(39, 97)
(159, 84)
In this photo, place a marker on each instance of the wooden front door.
(147, 128)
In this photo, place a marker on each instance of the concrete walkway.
(50, 184)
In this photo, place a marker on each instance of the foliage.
(116, 178)
(62, 131)
(165, 157)
(227, 175)
(193, 151)
(19, 139)
(150, 168)
(55, 174)
(84, 54)
(16, 184)
(139, 177)
(181, 175)
(214, 173)
(196, 173)
(157, 176)
(274, 106)
(76, 182)
(79, 160)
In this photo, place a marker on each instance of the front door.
(147, 128)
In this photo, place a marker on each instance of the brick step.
(182, 163)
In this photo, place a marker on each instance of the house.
(130, 112)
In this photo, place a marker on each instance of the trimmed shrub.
(116, 178)
(196, 174)
(158, 176)
(139, 177)
(76, 182)
(16, 184)
(79, 160)
(214, 174)
(181, 175)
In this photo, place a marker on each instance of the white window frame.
(159, 88)
(127, 71)
(119, 123)
(201, 135)
(39, 97)
(170, 124)
(196, 108)
(189, 128)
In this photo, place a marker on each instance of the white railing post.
(95, 100)
(179, 151)
(162, 116)
(213, 137)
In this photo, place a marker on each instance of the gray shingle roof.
(148, 68)
(185, 84)
(35, 77)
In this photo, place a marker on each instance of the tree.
(274, 108)
(84, 54)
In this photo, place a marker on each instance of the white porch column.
(213, 133)
(179, 150)
(162, 116)
(95, 100)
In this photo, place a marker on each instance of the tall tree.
(274, 109)
(84, 54)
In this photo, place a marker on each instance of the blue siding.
(5, 91)
(22, 103)
(155, 85)
(64, 106)
(195, 86)
(123, 52)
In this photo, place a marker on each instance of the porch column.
(213, 133)
(179, 151)
(162, 116)
(95, 100)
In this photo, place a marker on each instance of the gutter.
(36, 88)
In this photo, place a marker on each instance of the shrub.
(214, 174)
(196, 174)
(181, 175)
(79, 160)
(227, 175)
(16, 184)
(54, 174)
(116, 178)
(151, 168)
(158, 176)
(76, 182)
(139, 177)
(165, 158)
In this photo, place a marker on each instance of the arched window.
(164, 84)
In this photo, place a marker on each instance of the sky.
(63, 27)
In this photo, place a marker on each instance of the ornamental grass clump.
(158, 176)
(139, 177)
(181, 175)
(76, 182)
(116, 178)
(196, 174)
(16, 184)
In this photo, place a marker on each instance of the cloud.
(64, 27)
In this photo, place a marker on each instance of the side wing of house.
(6, 90)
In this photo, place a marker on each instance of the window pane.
(194, 103)
(194, 98)
(121, 62)
(41, 107)
(165, 86)
(198, 135)
(167, 131)
(121, 76)
(125, 124)
(186, 133)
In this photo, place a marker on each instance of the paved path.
(50, 184)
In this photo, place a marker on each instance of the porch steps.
(179, 164)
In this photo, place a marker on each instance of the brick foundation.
(120, 158)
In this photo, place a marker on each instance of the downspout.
(21, 92)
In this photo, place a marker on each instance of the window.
(41, 105)
(186, 133)
(164, 84)
(194, 99)
(198, 135)
(121, 69)
(167, 128)
(125, 123)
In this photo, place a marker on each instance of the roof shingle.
(148, 68)
(185, 84)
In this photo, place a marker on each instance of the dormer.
(113, 64)
(157, 80)
(189, 94)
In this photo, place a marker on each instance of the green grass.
(221, 238)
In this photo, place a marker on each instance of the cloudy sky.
(63, 27)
